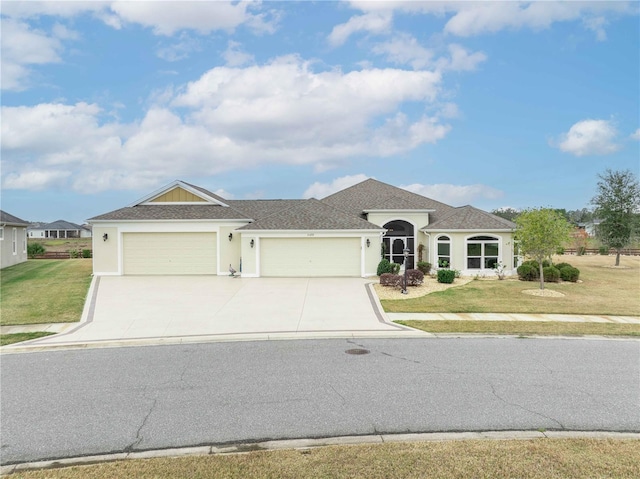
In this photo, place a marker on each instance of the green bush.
(533, 263)
(424, 267)
(546, 263)
(528, 272)
(384, 267)
(86, 253)
(551, 274)
(603, 250)
(581, 251)
(560, 250)
(34, 249)
(446, 276)
(560, 266)
(395, 268)
(569, 273)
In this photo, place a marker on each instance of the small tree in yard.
(616, 202)
(540, 233)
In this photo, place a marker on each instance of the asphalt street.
(82, 402)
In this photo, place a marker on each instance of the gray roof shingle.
(310, 214)
(59, 225)
(470, 218)
(7, 218)
(373, 194)
(172, 212)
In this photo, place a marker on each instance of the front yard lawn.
(603, 290)
(525, 459)
(525, 328)
(44, 291)
(19, 337)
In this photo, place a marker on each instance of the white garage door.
(310, 257)
(169, 253)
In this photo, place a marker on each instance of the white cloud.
(178, 50)
(23, 46)
(35, 179)
(476, 18)
(322, 190)
(461, 59)
(590, 137)
(635, 135)
(224, 194)
(230, 118)
(374, 22)
(456, 195)
(404, 49)
(234, 56)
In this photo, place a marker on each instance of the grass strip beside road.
(524, 459)
(551, 328)
(603, 291)
(44, 291)
(6, 339)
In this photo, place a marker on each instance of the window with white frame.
(14, 242)
(1, 233)
(482, 252)
(24, 240)
(444, 252)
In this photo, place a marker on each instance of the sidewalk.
(32, 328)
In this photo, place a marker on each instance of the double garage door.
(310, 257)
(169, 253)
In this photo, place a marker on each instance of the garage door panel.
(310, 257)
(169, 253)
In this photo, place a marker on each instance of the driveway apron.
(143, 307)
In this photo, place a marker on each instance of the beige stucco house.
(185, 229)
(13, 240)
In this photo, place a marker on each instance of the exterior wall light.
(105, 237)
(368, 242)
(230, 236)
(252, 242)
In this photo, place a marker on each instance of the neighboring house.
(13, 240)
(60, 229)
(185, 229)
(590, 227)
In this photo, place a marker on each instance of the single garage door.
(169, 253)
(310, 257)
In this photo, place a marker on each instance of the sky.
(493, 104)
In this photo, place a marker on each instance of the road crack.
(139, 436)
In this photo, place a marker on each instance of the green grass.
(44, 291)
(19, 337)
(554, 328)
(523, 459)
(603, 290)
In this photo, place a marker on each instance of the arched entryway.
(400, 235)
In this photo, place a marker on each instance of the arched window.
(444, 252)
(400, 235)
(482, 252)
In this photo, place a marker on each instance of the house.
(13, 240)
(185, 229)
(58, 229)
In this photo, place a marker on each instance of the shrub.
(384, 267)
(603, 250)
(560, 250)
(446, 276)
(86, 253)
(73, 253)
(390, 279)
(551, 274)
(424, 267)
(561, 266)
(581, 250)
(414, 277)
(395, 268)
(533, 263)
(569, 273)
(34, 249)
(546, 263)
(527, 272)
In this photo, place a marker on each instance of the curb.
(243, 448)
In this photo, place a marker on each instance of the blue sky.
(494, 104)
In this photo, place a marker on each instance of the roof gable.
(470, 218)
(183, 193)
(375, 195)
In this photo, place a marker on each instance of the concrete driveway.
(130, 308)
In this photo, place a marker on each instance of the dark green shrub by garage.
(424, 266)
(446, 276)
(384, 267)
(528, 272)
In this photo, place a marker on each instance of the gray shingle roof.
(7, 218)
(58, 225)
(470, 218)
(310, 214)
(373, 194)
(257, 209)
(172, 212)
